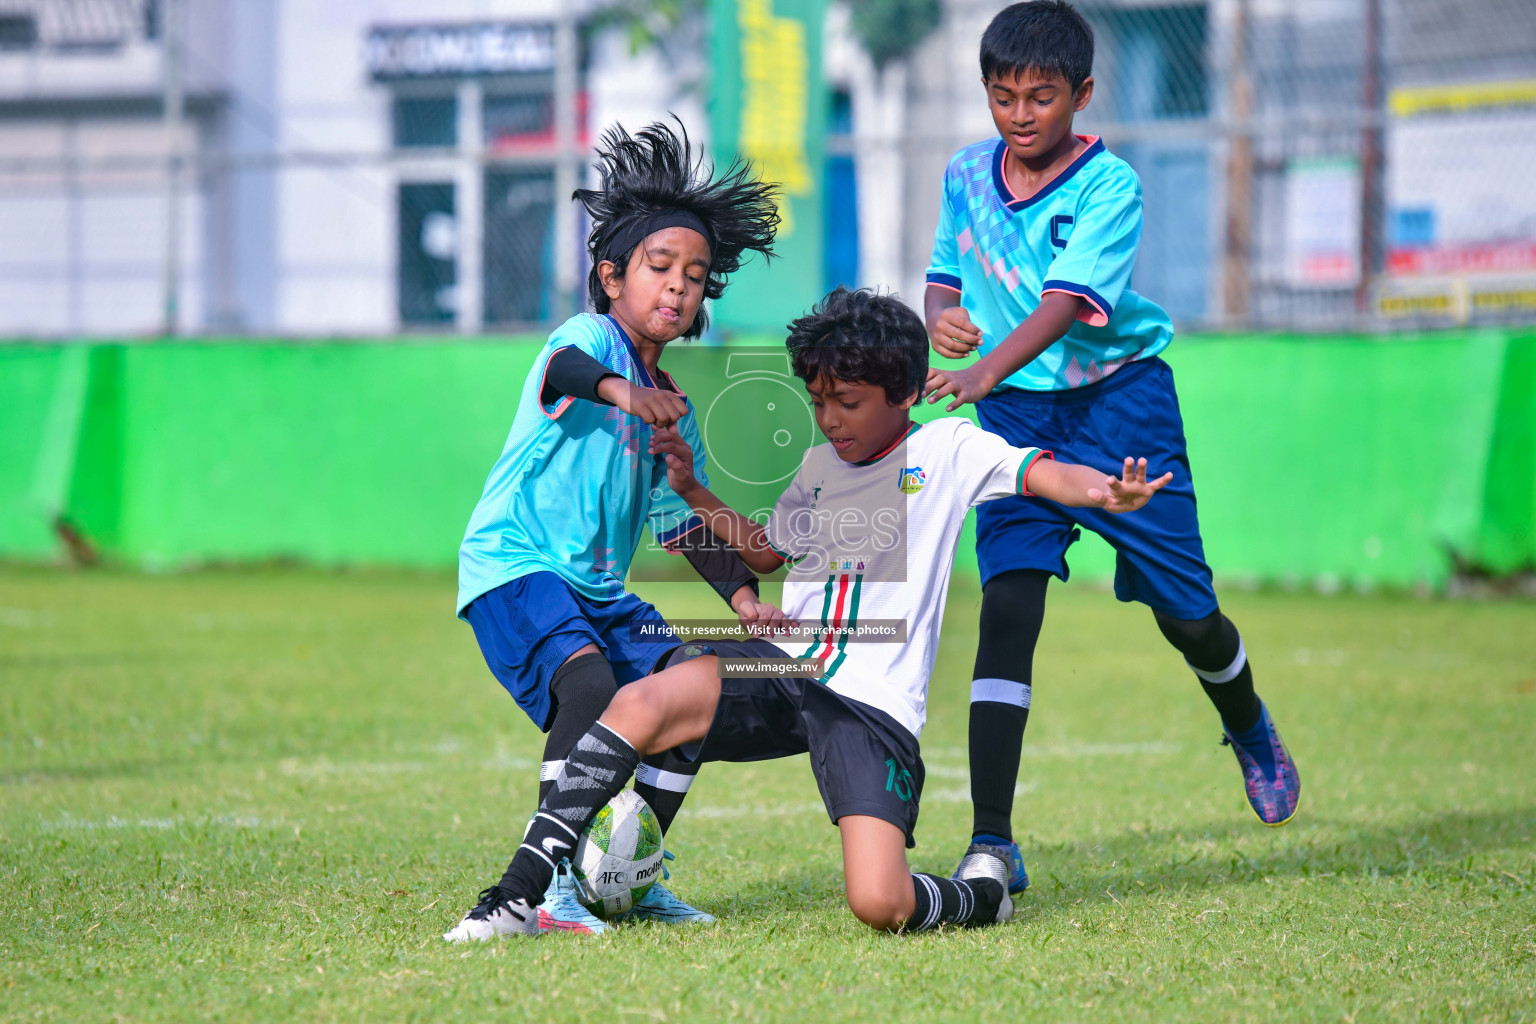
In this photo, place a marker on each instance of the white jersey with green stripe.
(872, 545)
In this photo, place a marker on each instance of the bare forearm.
(734, 528)
(1065, 483)
(936, 299)
(1039, 331)
(612, 389)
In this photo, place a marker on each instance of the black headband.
(640, 228)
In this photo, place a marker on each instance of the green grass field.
(264, 795)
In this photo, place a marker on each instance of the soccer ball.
(618, 857)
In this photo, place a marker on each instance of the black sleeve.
(570, 371)
(716, 561)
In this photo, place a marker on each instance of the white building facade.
(353, 167)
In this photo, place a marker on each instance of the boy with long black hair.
(543, 562)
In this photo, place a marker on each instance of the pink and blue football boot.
(1269, 774)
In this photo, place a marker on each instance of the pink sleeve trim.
(670, 543)
(564, 402)
(1091, 314)
(673, 383)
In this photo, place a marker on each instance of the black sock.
(662, 780)
(951, 901)
(1012, 609)
(581, 690)
(595, 771)
(996, 741)
(1214, 651)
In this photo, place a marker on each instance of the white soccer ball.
(618, 857)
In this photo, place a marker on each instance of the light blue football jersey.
(575, 483)
(1078, 234)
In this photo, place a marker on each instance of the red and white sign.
(1478, 258)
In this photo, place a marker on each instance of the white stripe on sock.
(550, 817)
(673, 782)
(614, 733)
(542, 855)
(1000, 691)
(934, 903)
(1225, 675)
(549, 771)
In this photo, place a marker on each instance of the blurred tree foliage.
(890, 30)
(664, 24)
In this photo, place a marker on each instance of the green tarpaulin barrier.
(1335, 461)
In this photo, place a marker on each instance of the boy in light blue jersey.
(1032, 260)
(570, 492)
(543, 562)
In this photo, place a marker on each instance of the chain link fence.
(1309, 165)
(1321, 164)
(418, 196)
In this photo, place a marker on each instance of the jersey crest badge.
(912, 479)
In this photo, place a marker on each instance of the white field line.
(324, 769)
(238, 821)
(25, 618)
(754, 811)
(948, 795)
(295, 768)
(962, 794)
(1068, 751)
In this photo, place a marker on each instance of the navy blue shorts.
(528, 627)
(1159, 559)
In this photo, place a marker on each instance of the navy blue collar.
(1006, 194)
(633, 354)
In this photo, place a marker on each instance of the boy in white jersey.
(869, 526)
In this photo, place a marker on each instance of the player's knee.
(1015, 599)
(1012, 610)
(884, 907)
(1197, 639)
(634, 715)
(584, 682)
(1188, 633)
(884, 911)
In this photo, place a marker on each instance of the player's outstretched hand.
(1131, 491)
(761, 619)
(967, 385)
(954, 336)
(654, 406)
(666, 441)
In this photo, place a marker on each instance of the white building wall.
(293, 228)
(635, 89)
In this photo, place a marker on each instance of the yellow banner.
(1440, 99)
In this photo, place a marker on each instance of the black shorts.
(864, 761)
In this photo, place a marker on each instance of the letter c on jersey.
(1061, 220)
